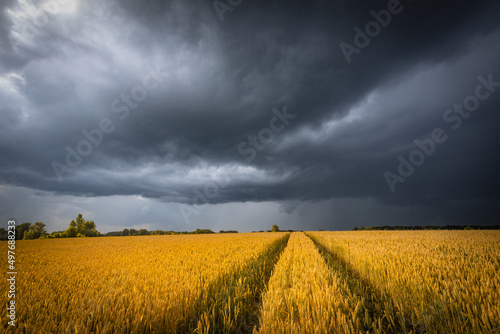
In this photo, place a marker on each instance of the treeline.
(77, 228)
(26, 231)
(428, 227)
(80, 228)
(143, 231)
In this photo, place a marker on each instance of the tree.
(275, 228)
(89, 229)
(82, 228)
(89, 225)
(79, 222)
(125, 232)
(71, 232)
(91, 233)
(20, 230)
(35, 231)
(203, 231)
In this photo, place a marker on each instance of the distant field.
(313, 282)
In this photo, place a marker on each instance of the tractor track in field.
(227, 298)
(374, 300)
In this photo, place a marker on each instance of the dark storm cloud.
(7, 55)
(215, 85)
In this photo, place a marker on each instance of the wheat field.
(313, 282)
(304, 295)
(427, 281)
(140, 284)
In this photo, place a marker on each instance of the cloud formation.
(161, 100)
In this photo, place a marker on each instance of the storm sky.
(240, 114)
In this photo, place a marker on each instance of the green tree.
(71, 232)
(275, 228)
(91, 233)
(125, 232)
(89, 229)
(79, 222)
(82, 227)
(89, 225)
(20, 229)
(203, 231)
(35, 231)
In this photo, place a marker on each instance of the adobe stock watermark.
(249, 148)
(222, 6)
(42, 15)
(121, 107)
(454, 117)
(372, 29)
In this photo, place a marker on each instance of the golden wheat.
(305, 296)
(324, 282)
(431, 281)
(129, 284)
